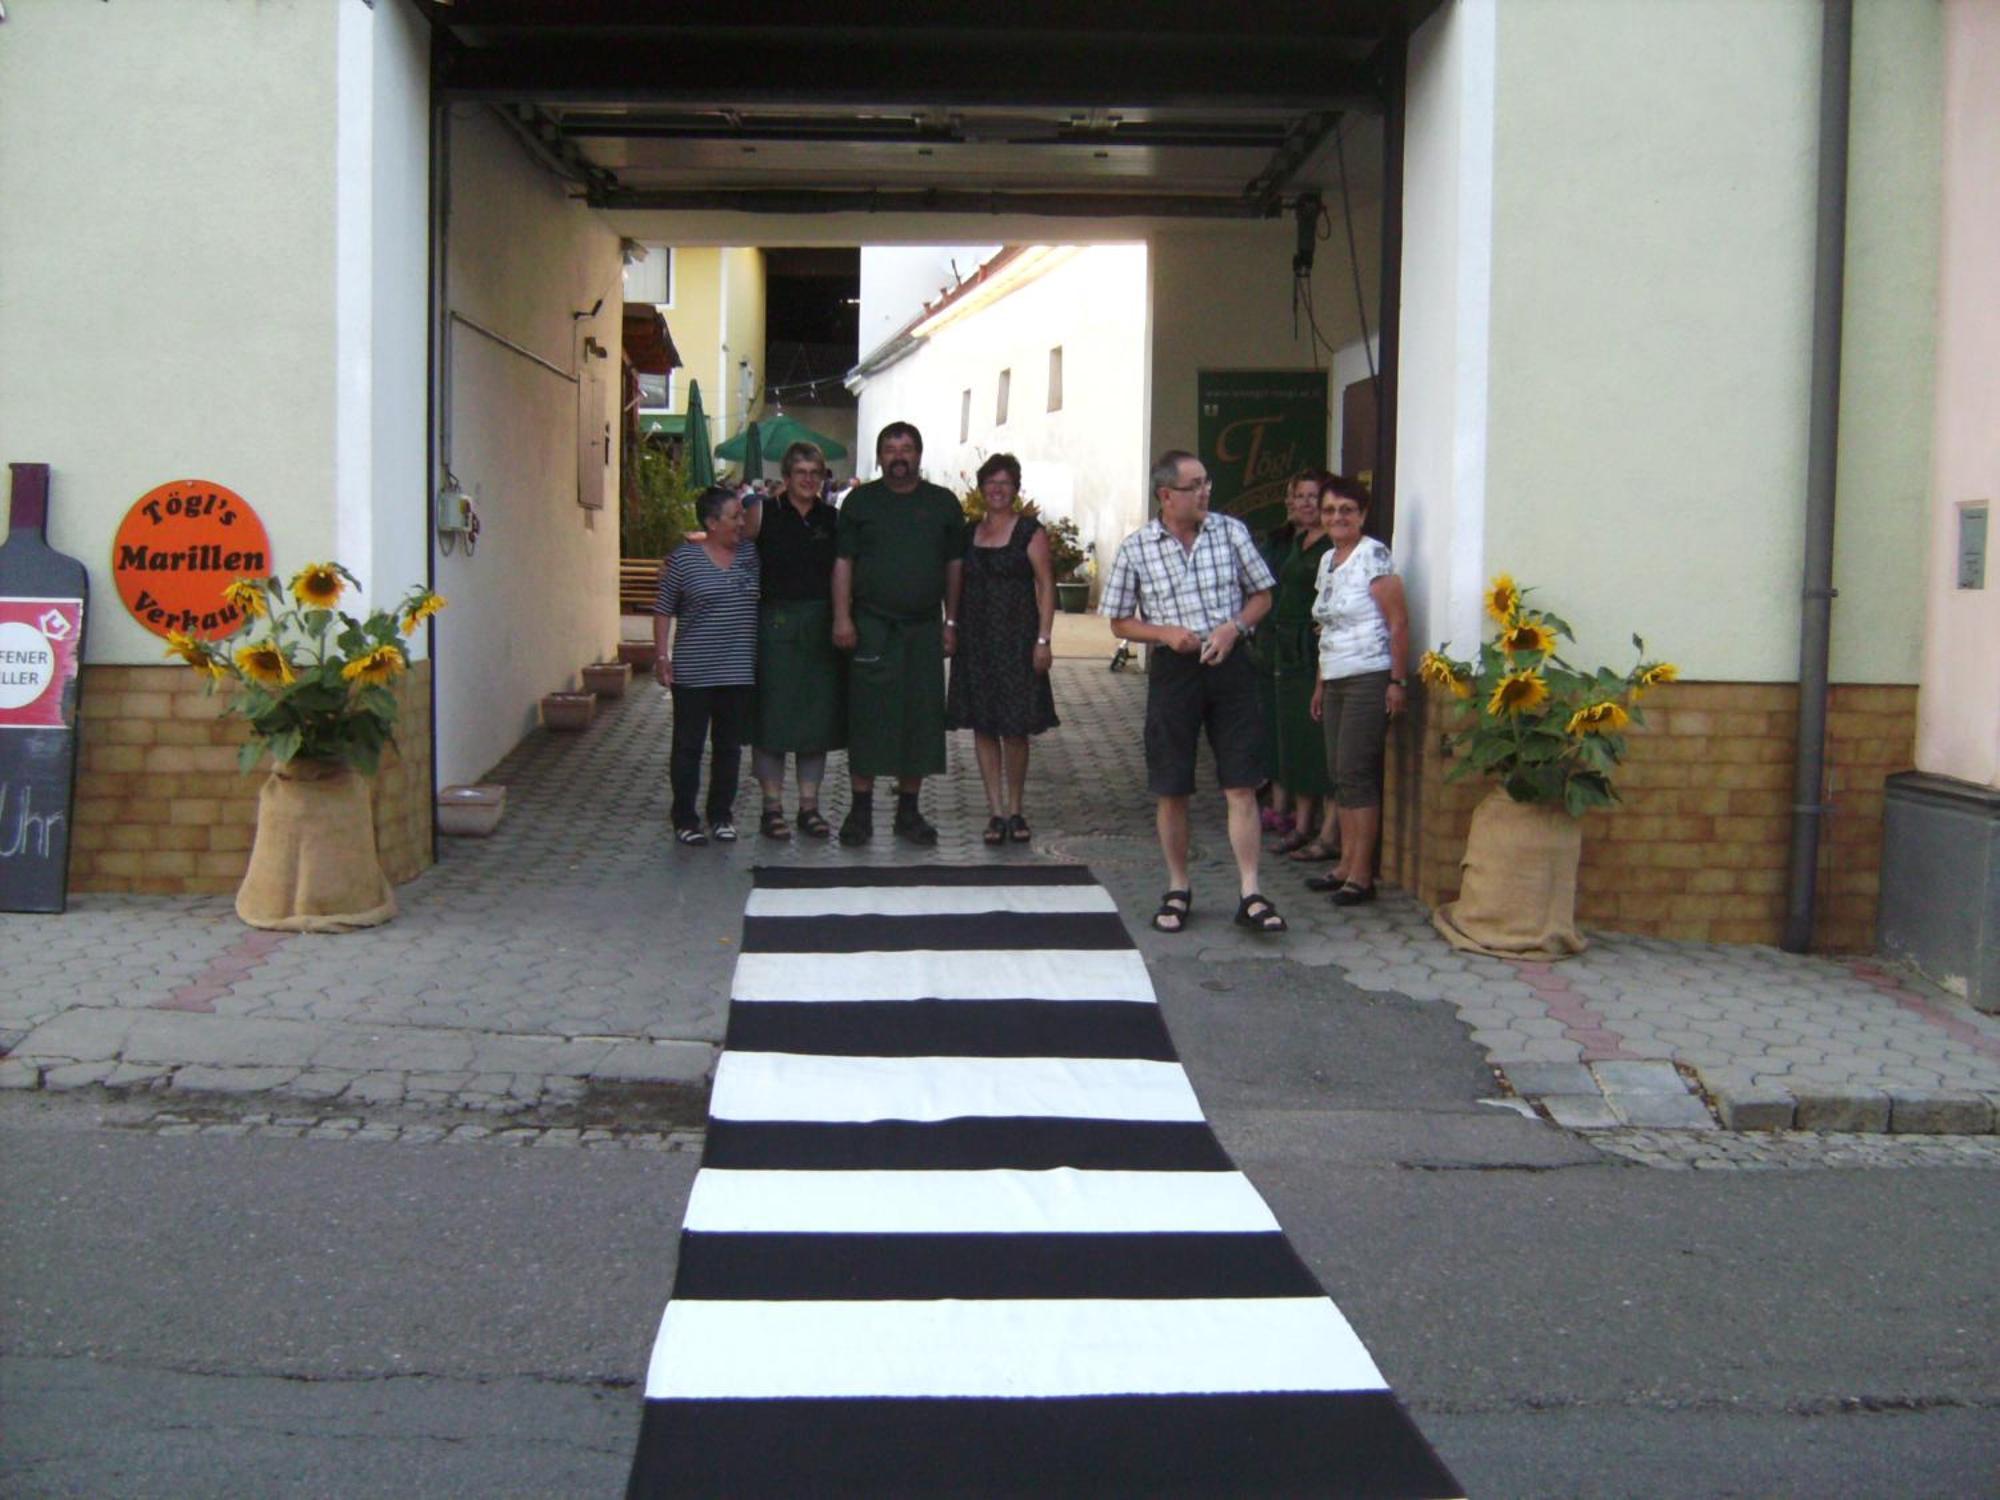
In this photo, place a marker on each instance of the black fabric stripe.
(806, 878)
(951, 1028)
(1025, 1144)
(1359, 1445)
(924, 1267)
(970, 930)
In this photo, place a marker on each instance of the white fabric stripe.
(794, 1087)
(928, 900)
(1062, 1200)
(958, 974)
(1082, 1347)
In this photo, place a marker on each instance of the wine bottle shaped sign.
(42, 597)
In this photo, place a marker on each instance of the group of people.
(798, 629)
(1195, 583)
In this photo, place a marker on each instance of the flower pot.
(568, 710)
(1517, 895)
(313, 866)
(470, 811)
(638, 655)
(1073, 598)
(607, 679)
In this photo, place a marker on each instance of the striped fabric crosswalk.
(961, 1228)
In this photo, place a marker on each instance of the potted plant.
(311, 683)
(1071, 565)
(1550, 734)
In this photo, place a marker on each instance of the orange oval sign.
(178, 548)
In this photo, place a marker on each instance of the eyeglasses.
(1188, 489)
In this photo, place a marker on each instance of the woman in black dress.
(1000, 673)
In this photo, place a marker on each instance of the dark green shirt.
(899, 545)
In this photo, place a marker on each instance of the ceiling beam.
(1092, 205)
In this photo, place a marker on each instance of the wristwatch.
(950, 624)
(1041, 640)
(1401, 682)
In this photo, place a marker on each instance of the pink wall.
(1958, 715)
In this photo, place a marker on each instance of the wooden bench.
(638, 584)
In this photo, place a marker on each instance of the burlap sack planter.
(313, 867)
(1517, 895)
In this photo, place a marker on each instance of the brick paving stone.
(1842, 1109)
(1581, 1111)
(1550, 1078)
(1939, 1112)
(1638, 1077)
(1660, 1111)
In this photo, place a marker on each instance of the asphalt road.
(204, 1316)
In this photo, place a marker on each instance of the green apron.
(801, 687)
(1299, 743)
(895, 696)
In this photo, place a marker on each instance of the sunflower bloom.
(1598, 718)
(1659, 673)
(246, 597)
(1461, 687)
(265, 665)
(421, 611)
(377, 666)
(1518, 693)
(317, 586)
(1435, 669)
(186, 647)
(1525, 636)
(1503, 599)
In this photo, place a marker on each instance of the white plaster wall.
(1442, 402)
(166, 268)
(1651, 326)
(1086, 461)
(539, 600)
(1958, 709)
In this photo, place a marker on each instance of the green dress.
(1301, 746)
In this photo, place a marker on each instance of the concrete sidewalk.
(579, 961)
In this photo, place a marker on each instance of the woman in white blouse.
(1364, 630)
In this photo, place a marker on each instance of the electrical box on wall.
(1972, 545)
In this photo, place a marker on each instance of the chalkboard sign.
(42, 598)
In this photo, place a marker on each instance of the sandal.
(690, 836)
(996, 830)
(1018, 830)
(812, 825)
(1259, 915)
(1351, 894)
(1314, 852)
(1298, 838)
(724, 832)
(772, 824)
(1332, 880)
(1174, 907)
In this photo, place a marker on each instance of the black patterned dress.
(995, 689)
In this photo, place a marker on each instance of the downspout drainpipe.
(1822, 470)
(437, 460)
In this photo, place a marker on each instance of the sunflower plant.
(1547, 730)
(310, 679)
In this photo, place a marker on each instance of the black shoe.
(1326, 882)
(1353, 895)
(913, 828)
(858, 827)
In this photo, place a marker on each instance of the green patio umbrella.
(700, 460)
(753, 452)
(778, 434)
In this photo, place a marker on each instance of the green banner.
(1258, 428)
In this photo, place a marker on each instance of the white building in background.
(1040, 352)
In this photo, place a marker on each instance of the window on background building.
(652, 279)
(1055, 378)
(1000, 399)
(964, 415)
(656, 392)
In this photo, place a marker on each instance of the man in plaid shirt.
(1194, 584)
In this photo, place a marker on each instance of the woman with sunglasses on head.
(1364, 628)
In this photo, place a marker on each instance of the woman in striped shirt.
(705, 632)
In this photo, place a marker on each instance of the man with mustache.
(895, 610)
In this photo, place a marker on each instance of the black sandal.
(996, 830)
(1018, 830)
(1352, 894)
(690, 836)
(772, 824)
(812, 825)
(1174, 905)
(1259, 915)
(1332, 880)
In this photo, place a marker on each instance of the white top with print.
(1353, 636)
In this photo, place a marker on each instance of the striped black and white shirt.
(716, 642)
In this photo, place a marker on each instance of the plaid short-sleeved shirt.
(1156, 578)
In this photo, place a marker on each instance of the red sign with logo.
(179, 548)
(37, 660)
